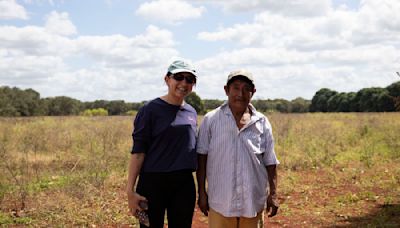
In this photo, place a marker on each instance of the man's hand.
(203, 203)
(133, 202)
(272, 205)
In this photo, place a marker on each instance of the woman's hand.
(133, 202)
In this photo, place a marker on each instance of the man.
(236, 155)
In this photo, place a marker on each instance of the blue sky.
(119, 49)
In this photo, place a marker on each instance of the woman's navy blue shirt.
(167, 135)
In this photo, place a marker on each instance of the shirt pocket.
(254, 134)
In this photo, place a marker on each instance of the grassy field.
(337, 170)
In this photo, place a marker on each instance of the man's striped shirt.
(236, 159)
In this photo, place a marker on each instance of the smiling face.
(239, 94)
(180, 84)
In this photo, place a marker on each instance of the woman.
(164, 155)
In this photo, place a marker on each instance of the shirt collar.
(254, 114)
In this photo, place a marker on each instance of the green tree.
(6, 104)
(195, 101)
(283, 105)
(340, 102)
(319, 102)
(394, 92)
(347, 102)
(135, 105)
(394, 89)
(32, 100)
(374, 100)
(300, 105)
(117, 107)
(210, 104)
(17, 102)
(261, 105)
(62, 106)
(385, 102)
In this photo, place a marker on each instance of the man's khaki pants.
(216, 220)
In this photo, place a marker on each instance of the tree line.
(18, 102)
(375, 99)
(298, 105)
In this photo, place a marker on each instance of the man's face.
(239, 94)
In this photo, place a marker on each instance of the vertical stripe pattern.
(236, 159)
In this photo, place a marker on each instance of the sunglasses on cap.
(191, 79)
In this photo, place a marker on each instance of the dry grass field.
(337, 170)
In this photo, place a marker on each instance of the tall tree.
(319, 102)
(282, 105)
(374, 100)
(195, 101)
(300, 105)
(210, 104)
(63, 106)
(117, 107)
(394, 92)
(17, 102)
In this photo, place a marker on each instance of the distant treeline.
(18, 102)
(374, 99)
(298, 105)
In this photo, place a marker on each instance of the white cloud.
(33, 41)
(171, 11)
(86, 67)
(290, 50)
(108, 84)
(290, 8)
(155, 45)
(344, 50)
(9, 9)
(59, 23)
(377, 22)
(340, 29)
(269, 30)
(51, 2)
(29, 70)
(31, 55)
(286, 74)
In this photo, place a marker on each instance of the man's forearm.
(272, 179)
(201, 173)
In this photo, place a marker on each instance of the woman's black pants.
(173, 192)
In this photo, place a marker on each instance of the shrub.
(95, 112)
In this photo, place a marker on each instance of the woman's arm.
(135, 164)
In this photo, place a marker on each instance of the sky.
(120, 50)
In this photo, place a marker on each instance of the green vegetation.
(95, 112)
(366, 100)
(336, 170)
(194, 100)
(17, 102)
(63, 170)
(342, 166)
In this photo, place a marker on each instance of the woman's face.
(180, 84)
